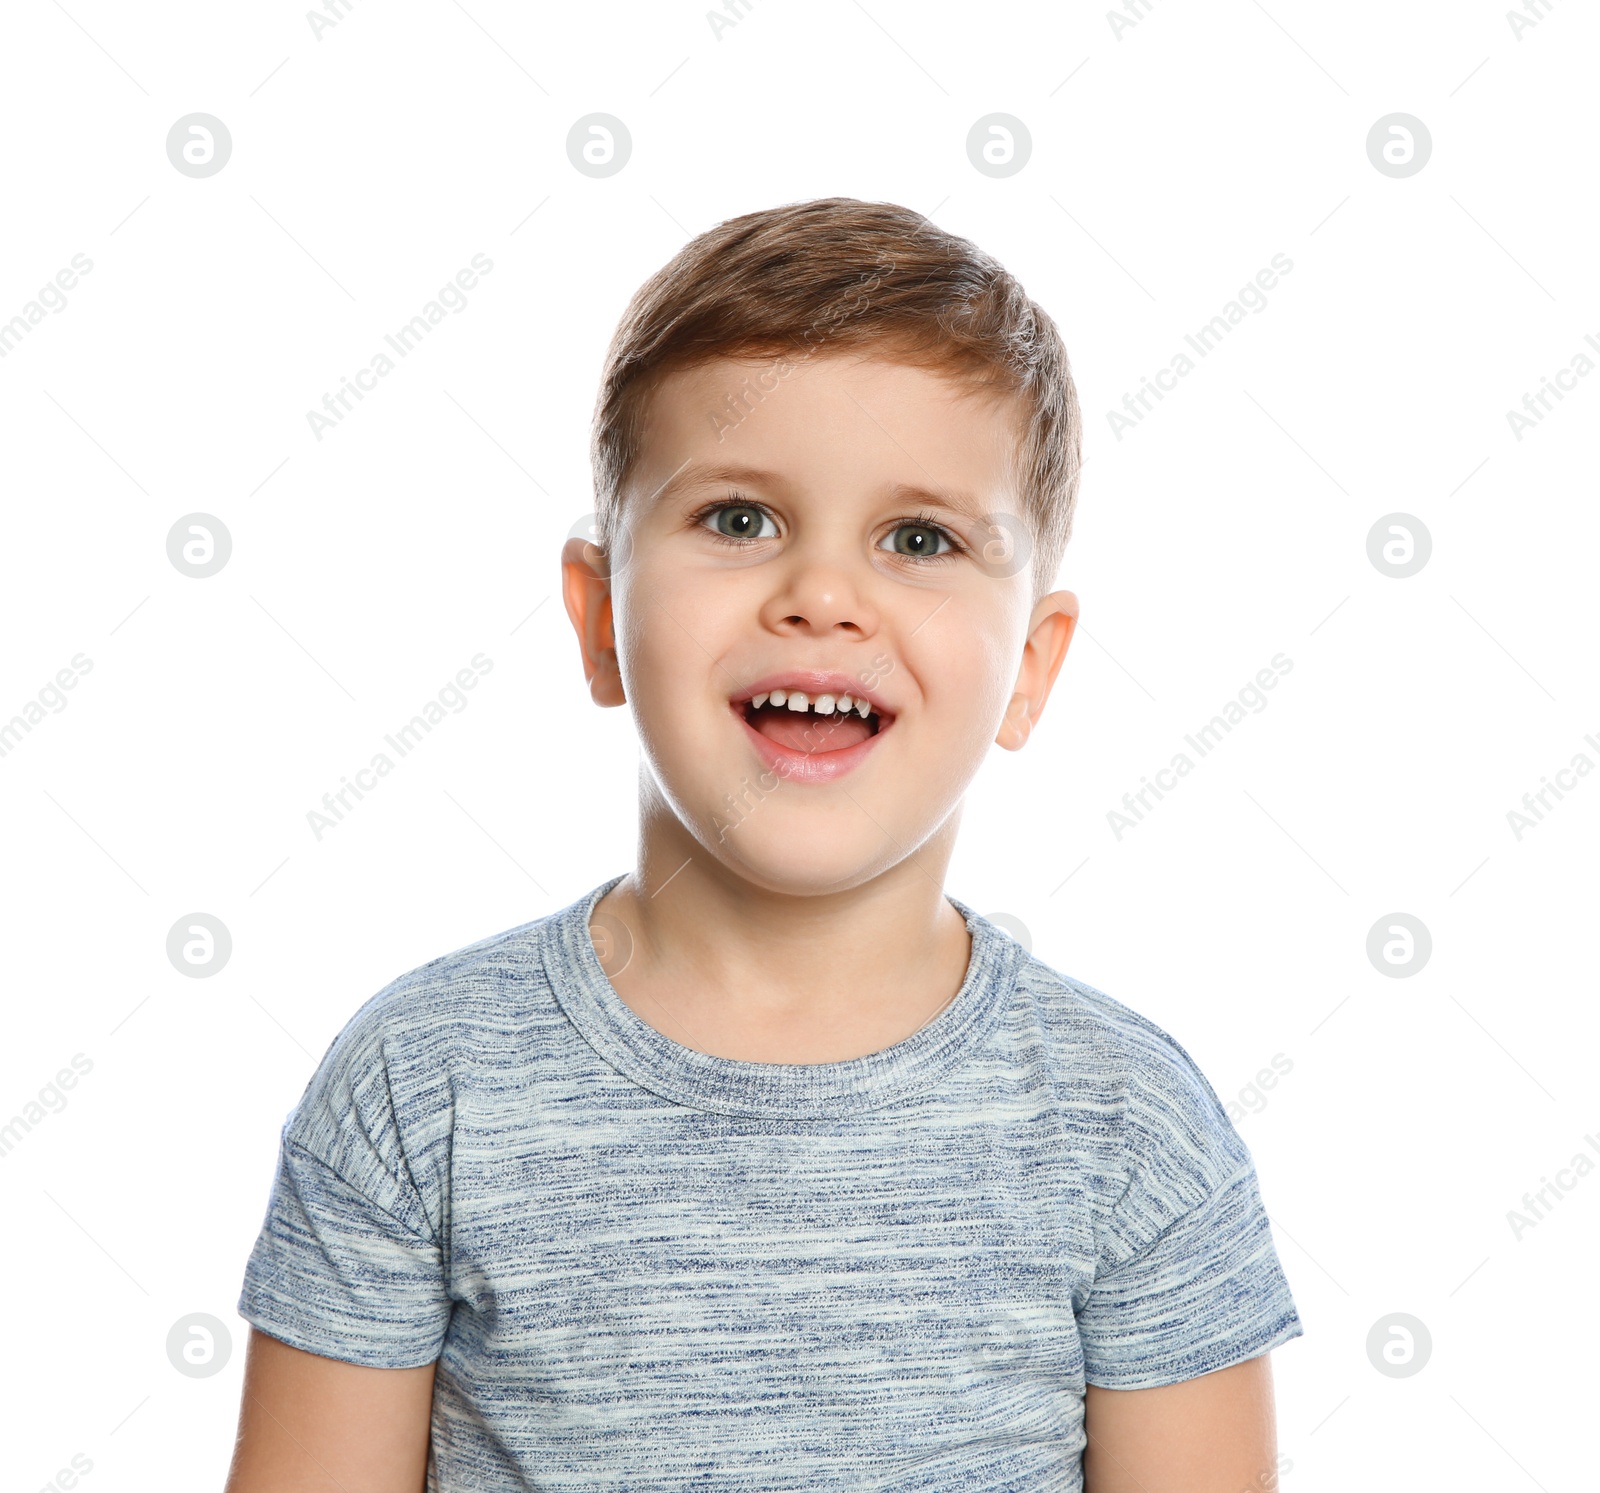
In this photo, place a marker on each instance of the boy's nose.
(820, 597)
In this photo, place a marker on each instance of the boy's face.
(782, 537)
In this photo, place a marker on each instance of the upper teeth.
(823, 704)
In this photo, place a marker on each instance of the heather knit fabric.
(643, 1267)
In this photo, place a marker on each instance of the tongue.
(801, 731)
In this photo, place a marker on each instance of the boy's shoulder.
(472, 1006)
(1093, 1023)
(1104, 1054)
(1085, 1011)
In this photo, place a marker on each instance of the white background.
(1169, 164)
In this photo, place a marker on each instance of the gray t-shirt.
(643, 1267)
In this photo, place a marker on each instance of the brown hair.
(836, 273)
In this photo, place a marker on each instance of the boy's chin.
(797, 865)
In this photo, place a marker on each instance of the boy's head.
(831, 440)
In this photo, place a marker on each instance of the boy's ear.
(1051, 628)
(586, 590)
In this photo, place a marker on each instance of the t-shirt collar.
(700, 1080)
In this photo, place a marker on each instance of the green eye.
(919, 540)
(735, 522)
(739, 521)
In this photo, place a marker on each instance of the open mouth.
(812, 726)
(817, 726)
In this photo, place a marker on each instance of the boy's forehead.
(815, 376)
(767, 422)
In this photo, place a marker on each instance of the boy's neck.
(735, 970)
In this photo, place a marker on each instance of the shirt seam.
(429, 1237)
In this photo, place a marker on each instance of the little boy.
(768, 1166)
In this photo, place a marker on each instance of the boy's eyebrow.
(940, 497)
(693, 473)
(696, 473)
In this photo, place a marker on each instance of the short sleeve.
(1188, 1279)
(348, 1263)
